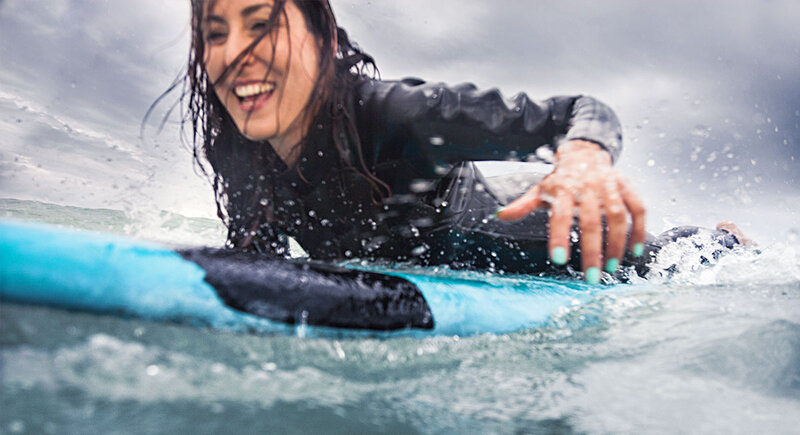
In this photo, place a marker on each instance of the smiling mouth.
(254, 95)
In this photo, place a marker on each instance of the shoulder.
(408, 87)
(411, 97)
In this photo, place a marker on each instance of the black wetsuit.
(421, 139)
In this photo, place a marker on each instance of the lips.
(253, 95)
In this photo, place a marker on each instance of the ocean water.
(695, 348)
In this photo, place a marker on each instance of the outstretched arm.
(461, 123)
(452, 124)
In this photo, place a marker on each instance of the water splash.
(698, 260)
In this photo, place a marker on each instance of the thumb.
(521, 207)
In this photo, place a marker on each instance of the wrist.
(583, 151)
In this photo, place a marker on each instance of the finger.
(636, 208)
(522, 206)
(591, 226)
(562, 212)
(616, 219)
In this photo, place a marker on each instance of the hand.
(737, 232)
(584, 182)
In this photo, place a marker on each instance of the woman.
(303, 142)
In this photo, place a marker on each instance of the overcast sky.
(706, 90)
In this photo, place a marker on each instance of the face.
(265, 92)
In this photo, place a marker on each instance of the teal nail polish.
(499, 209)
(593, 275)
(638, 249)
(612, 265)
(559, 255)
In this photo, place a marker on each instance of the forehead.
(237, 7)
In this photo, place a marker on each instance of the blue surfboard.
(219, 288)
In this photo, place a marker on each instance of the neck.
(287, 148)
(288, 145)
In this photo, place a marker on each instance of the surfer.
(303, 141)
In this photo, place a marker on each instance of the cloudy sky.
(706, 90)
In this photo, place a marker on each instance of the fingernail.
(559, 255)
(593, 275)
(638, 249)
(499, 209)
(612, 265)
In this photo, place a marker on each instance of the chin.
(256, 133)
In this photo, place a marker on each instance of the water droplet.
(441, 169)
(16, 426)
(545, 154)
(421, 186)
(339, 351)
(701, 131)
(436, 140)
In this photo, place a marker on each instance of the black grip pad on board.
(315, 293)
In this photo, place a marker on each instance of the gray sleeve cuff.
(595, 122)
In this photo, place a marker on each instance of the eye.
(260, 26)
(215, 36)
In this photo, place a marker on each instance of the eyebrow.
(250, 10)
(246, 12)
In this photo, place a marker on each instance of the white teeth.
(245, 91)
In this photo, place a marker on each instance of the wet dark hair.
(242, 171)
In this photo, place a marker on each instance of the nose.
(235, 45)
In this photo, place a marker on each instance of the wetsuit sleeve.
(462, 123)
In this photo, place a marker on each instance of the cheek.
(214, 68)
(305, 69)
(213, 65)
